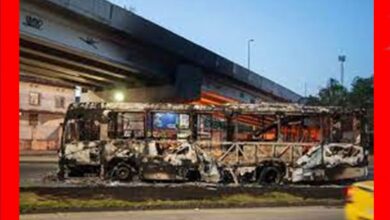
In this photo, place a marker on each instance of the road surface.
(288, 213)
(34, 172)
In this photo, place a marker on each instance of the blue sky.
(296, 41)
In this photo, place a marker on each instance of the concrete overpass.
(103, 48)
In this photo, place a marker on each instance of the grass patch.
(31, 202)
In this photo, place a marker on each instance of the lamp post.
(249, 53)
(342, 59)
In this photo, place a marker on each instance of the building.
(42, 109)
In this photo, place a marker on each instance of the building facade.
(42, 109)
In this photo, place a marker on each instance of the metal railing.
(247, 153)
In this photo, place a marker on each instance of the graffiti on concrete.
(33, 21)
(90, 41)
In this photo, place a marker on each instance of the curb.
(36, 161)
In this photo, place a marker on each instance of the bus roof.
(260, 108)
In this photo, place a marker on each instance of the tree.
(362, 93)
(334, 94)
(361, 96)
(311, 100)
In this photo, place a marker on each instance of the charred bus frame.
(266, 142)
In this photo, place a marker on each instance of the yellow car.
(360, 201)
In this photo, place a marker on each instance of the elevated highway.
(102, 48)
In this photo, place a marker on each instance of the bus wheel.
(270, 175)
(123, 173)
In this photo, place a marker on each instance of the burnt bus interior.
(213, 127)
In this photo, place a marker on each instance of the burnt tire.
(193, 176)
(270, 176)
(74, 172)
(123, 173)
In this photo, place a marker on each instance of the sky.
(296, 42)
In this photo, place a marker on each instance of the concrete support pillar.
(188, 83)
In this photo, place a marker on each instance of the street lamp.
(119, 96)
(249, 53)
(342, 59)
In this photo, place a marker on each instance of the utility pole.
(305, 89)
(249, 53)
(342, 59)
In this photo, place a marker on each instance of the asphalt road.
(34, 172)
(287, 213)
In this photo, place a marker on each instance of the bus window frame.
(116, 136)
(151, 126)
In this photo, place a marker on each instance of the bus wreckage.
(266, 143)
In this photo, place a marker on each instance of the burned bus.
(266, 143)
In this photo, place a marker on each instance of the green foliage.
(312, 100)
(334, 94)
(31, 202)
(361, 96)
(362, 93)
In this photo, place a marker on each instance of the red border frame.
(381, 113)
(9, 103)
